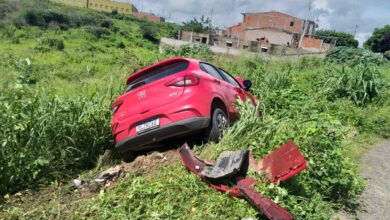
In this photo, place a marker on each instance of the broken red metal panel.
(280, 165)
(283, 163)
(267, 206)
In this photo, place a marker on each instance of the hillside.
(62, 67)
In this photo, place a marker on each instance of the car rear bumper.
(182, 127)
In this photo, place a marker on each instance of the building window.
(229, 44)
(291, 24)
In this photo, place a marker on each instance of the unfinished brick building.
(277, 28)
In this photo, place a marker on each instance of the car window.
(211, 70)
(157, 73)
(229, 78)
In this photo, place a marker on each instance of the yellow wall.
(101, 5)
(109, 6)
(79, 3)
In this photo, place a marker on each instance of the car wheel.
(218, 124)
(128, 156)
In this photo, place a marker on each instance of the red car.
(173, 98)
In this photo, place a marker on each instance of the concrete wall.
(290, 55)
(273, 37)
(326, 46)
(214, 49)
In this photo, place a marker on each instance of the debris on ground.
(232, 167)
(142, 165)
(106, 177)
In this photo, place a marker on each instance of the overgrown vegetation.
(203, 25)
(380, 40)
(55, 118)
(353, 56)
(341, 39)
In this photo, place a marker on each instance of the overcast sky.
(341, 15)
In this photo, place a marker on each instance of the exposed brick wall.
(275, 20)
(235, 30)
(148, 16)
(270, 21)
(312, 43)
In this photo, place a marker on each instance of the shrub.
(35, 18)
(387, 55)
(353, 56)
(50, 43)
(149, 31)
(106, 23)
(98, 32)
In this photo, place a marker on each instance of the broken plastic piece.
(228, 164)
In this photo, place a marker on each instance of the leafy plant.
(360, 83)
(353, 56)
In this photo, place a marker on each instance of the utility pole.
(306, 25)
(356, 28)
(211, 18)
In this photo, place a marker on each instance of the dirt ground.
(65, 195)
(375, 199)
(376, 170)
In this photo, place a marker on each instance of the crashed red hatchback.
(172, 98)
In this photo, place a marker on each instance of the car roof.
(159, 64)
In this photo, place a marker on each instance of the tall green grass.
(46, 137)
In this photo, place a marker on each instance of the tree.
(380, 40)
(203, 25)
(341, 38)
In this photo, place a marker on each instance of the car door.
(218, 83)
(239, 92)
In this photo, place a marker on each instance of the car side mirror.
(247, 84)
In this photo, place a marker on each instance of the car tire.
(128, 157)
(218, 124)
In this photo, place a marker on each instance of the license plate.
(149, 125)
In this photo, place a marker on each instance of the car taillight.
(189, 80)
(116, 106)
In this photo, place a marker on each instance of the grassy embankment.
(61, 70)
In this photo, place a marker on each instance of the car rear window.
(157, 73)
